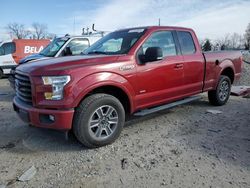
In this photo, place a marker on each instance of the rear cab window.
(186, 42)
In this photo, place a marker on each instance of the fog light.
(51, 118)
(48, 95)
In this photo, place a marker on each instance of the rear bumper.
(44, 118)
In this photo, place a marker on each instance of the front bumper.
(11, 79)
(61, 119)
(7, 68)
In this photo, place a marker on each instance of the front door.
(160, 81)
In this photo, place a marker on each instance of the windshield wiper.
(96, 52)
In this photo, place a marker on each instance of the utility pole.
(74, 27)
(159, 22)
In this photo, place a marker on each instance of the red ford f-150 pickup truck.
(130, 71)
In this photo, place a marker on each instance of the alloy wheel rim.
(224, 91)
(103, 122)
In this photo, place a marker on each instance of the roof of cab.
(156, 28)
(80, 36)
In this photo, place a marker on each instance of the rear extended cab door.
(194, 63)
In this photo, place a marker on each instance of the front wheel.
(98, 120)
(221, 95)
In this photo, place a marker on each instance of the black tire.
(1, 74)
(90, 108)
(219, 96)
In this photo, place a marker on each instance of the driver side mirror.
(151, 54)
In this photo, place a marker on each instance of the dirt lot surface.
(181, 147)
(246, 56)
(245, 78)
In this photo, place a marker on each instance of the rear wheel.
(221, 95)
(98, 120)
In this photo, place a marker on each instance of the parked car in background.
(63, 46)
(59, 47)
(12, 51)
(131, 71)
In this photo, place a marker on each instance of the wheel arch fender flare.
(226, 68)
(87, 84)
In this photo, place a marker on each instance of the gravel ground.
(245, 78)
(181, 147)
(246, 56)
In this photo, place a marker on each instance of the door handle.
(178, 66)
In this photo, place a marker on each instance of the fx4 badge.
(127, 67)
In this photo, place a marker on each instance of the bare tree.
(50, 36)
(223, 43)
(236, 41)
(17, 30)
(230, 42)
(247, 37)
(40, 30)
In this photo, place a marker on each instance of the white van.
(13, 50)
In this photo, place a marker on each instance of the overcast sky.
(211, 19)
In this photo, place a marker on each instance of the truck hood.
(55, 65)
(32, 58)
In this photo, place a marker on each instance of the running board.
(166, 106)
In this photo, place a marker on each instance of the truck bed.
(215, 62)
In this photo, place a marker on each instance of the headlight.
(57, 83)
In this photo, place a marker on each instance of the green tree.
(207, 46)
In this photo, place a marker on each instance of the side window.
(1, 51)
(9, 48)
(77, 46)
(186, 42)
(162, 39)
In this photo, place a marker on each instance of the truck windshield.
(53, 47)
(118, 42)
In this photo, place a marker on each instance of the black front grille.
(23, 88)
